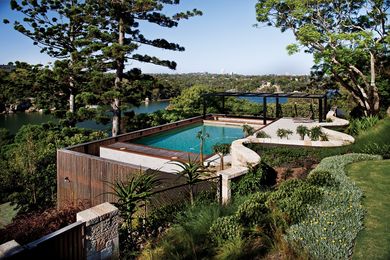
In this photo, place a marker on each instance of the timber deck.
(154, 152)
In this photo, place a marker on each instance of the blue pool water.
(184, 139)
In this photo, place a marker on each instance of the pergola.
(322, 101)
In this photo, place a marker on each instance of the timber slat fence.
(66, 243)
(83, 177)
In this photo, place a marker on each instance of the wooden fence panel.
(66, 243)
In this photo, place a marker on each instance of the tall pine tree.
(59, 29)
(116, 36)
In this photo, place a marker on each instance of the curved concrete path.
(243, 157)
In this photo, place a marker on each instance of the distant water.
(282, 100)
(13, 122)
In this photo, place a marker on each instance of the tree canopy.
(349, 40)
(59, 29)
(116, 35)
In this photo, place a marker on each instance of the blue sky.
(223, 40)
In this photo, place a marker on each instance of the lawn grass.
(7, 212)
(373, 178)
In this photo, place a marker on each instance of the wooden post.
(325, 106)
(204, 107)
(277, 108)
(223, 104)
(265, 110)
(320, 110)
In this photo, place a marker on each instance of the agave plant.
(132, 194)
(191, 170)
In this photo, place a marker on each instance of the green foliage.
(322, 179)
(348, 57)
(191, 170)
(316, 133)
(262, 134)
(329, 229)
(248, 130)
(256, 179)
(357, 126)
(221, 150)
(281, 133)
(293, 198)
(225, 228)
(29, 164)
(190, 100)
(5, 137)
(132, 194)
(253, 211)
(302, 131)
(376, 149)
(189, 236)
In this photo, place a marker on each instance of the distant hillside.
(233, 82)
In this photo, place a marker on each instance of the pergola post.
(223, 104)
(320, 110)
(204, 107)
(277, 108)
(325, 106)
(264, 110)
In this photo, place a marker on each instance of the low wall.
(93, 237)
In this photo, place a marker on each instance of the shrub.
(322, 179)
(262, 134)
(293, 197)
(302, 131)
(374, 148)
(225, 228)
(248, 130)
(34, 225)
(281, 132)
(315, 133)
(329, 229)
(324, 137)
(356, 126)
(256, 179)
(253, 211)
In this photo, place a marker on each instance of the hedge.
(329, 229)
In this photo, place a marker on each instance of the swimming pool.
(184, 139)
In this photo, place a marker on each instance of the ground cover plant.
(7, 213)
(373, 178)
(329, 228)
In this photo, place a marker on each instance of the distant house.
(7, 68)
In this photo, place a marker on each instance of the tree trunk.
(116, 117)
(71, 95)
(191, 195)
(72, 60)
(201, 151)
(118, 82)
(374, 95)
